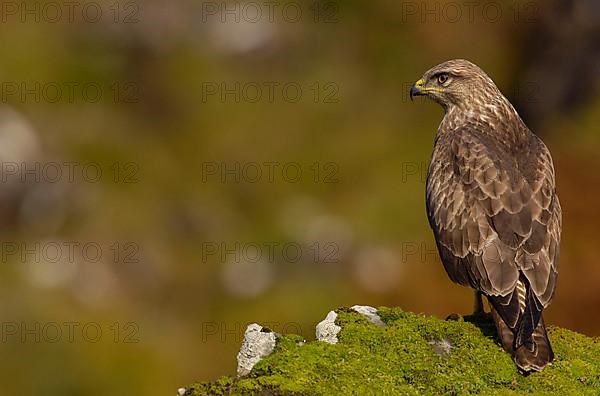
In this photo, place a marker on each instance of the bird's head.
(456, 82)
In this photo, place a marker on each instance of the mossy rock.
(413, 355)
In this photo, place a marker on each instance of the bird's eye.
(442, 78)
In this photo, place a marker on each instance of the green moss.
(399, 359)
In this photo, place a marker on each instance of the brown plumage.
(492, 205)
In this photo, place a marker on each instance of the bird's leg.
(478, 307)
(478, 311)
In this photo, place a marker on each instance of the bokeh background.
(173, 171)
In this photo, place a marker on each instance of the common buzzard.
(493, 207)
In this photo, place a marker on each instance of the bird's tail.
(534, 353)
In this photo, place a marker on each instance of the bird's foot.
(481, 315)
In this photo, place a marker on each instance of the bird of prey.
(493, 206)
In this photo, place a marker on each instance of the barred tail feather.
(534, 353)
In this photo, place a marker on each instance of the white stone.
(181, 391)
(258, 343)
(327, 330)
(370, 313)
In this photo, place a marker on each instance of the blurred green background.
(173, 171)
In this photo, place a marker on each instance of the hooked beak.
(416, 89)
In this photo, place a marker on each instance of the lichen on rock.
(258, 343)
(412, 355)
(327, 330)
(368, 312)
